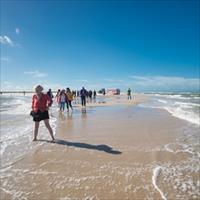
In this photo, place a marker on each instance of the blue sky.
(145, 45)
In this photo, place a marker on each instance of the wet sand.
(105, 152)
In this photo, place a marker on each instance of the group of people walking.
(41, 103)
(67, 96)
(64, 97)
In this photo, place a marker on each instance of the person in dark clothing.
(94, 94)
(83, 94)
(129, 94)
(49, 93)
(90, 95)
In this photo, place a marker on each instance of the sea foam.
(156, 173)
(186, 108)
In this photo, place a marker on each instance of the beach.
(113, 149)
(100, 100)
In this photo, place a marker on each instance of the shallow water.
(158, 156)
(183, 106)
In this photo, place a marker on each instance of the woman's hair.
(62, 92)
(38, 88)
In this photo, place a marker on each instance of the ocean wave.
(183, 114)
(183, 109)
(179, 96)
(182, 149)
(16, 106)
(156, 172)
(162, 101)
(187, 104)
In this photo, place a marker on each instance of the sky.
(149, 46)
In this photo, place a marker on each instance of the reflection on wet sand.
(69, 116)
(83, 113)
(61, 116)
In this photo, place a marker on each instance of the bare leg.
(36, 130)
(46, 122)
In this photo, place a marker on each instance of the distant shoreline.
(8, 92)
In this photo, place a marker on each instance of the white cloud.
(10, 86)
(113, 80)
(82, 80)
(49, 84)
(7, 85)
(94, 86)
(6, 40)
(36, 74)
(53, 86)
(18, 87)
(5, 59)
(109, 80)
(165, 83)
(17, 31)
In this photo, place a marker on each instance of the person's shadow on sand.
(101, 147)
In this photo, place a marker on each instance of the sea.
(185, 106)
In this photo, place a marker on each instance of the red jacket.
(42, 103)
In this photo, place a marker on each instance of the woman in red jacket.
(40, 104)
